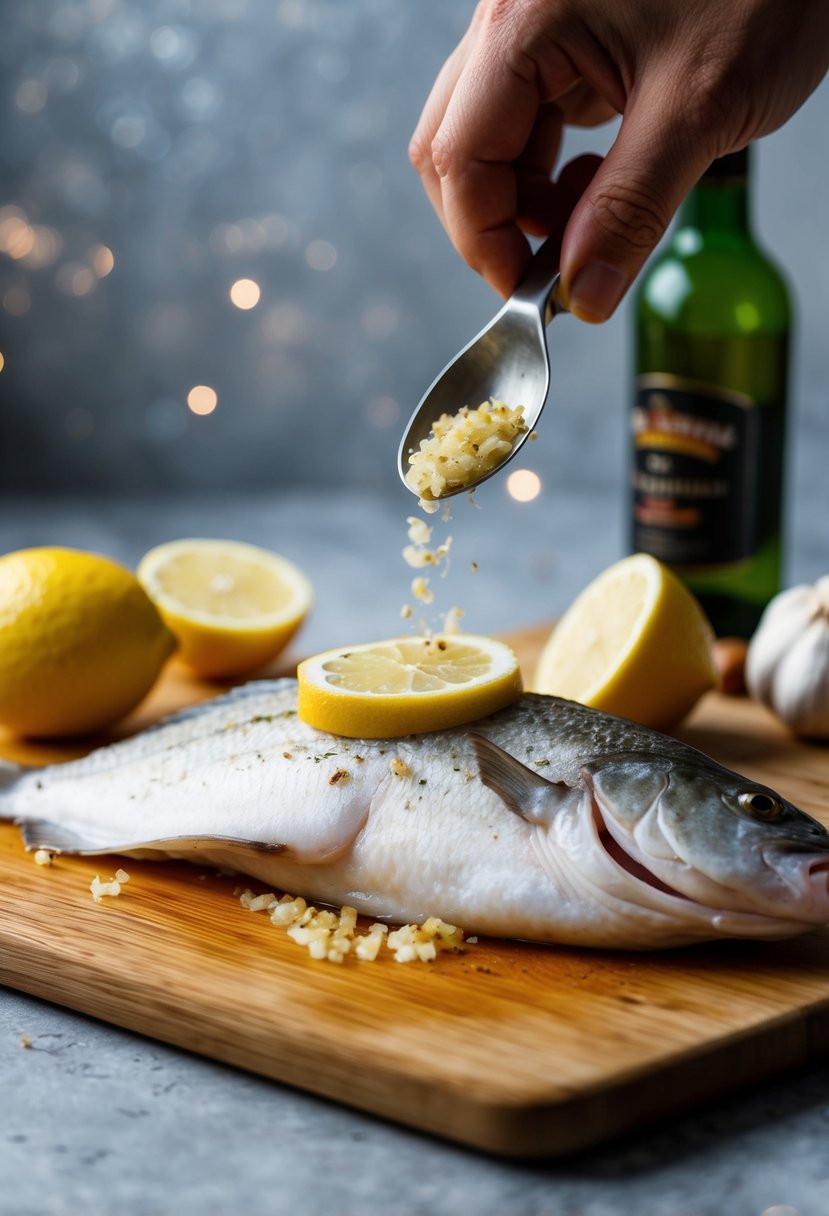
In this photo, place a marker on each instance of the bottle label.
(695, 471)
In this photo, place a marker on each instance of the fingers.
(548, 204)
(533, 169)
(493, 118)
(420, 146)
(577, 175)
(626, 208)
(582, 106)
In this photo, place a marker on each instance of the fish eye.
(760, 805)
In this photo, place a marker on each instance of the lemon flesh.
(233, 607)
(80, 642)
(407, 685)
(635, 643)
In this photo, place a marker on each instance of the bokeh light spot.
(102, 259)
(380, 320)
(383, 411)
(31, 96)
(73, 279)
(16, 237)
(245, 293)
(226, 238)
(321, 255)
(523, 485)
(202, 399)
(46, 247)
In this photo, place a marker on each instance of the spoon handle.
(540, 284)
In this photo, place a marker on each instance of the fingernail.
(596, 290)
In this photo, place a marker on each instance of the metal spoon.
(508, 360)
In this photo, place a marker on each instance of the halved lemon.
(636, 643)
(406, 685)
(233, 607)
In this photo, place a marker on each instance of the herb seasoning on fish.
(625, 838)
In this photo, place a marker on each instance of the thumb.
(626, 208)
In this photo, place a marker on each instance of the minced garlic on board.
(113, 887)
(330, 935)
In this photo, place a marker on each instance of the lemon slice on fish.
(407, 685)
(635, 643)
(233, 607)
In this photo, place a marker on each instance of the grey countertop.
(94, 1118)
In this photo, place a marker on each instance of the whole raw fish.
(546, 821)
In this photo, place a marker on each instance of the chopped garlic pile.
(462, 448)
(332, 935)
(420, 943)
(113, 887)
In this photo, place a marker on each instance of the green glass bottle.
(713, 318)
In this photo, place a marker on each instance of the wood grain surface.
(513, 1048)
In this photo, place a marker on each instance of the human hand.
(692, 82)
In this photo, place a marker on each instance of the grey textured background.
(205, 142)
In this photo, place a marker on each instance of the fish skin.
(547, 821)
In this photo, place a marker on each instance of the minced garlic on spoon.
(462, 449)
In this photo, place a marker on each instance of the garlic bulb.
(787, 666)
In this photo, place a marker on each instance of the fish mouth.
(624, 860)
(806, 874)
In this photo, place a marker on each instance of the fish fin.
(43, 834)
(234, 697)
(527, 794)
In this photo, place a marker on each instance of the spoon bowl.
(508, 361)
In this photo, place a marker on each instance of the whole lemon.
(80, 642)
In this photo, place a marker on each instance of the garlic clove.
(780, 626)
(800, 684)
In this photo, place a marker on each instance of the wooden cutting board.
(518, 1049)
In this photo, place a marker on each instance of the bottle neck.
(720, 206)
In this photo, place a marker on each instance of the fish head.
(696, 830)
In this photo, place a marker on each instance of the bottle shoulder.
(719, 280)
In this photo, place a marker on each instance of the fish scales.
(547, 821)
